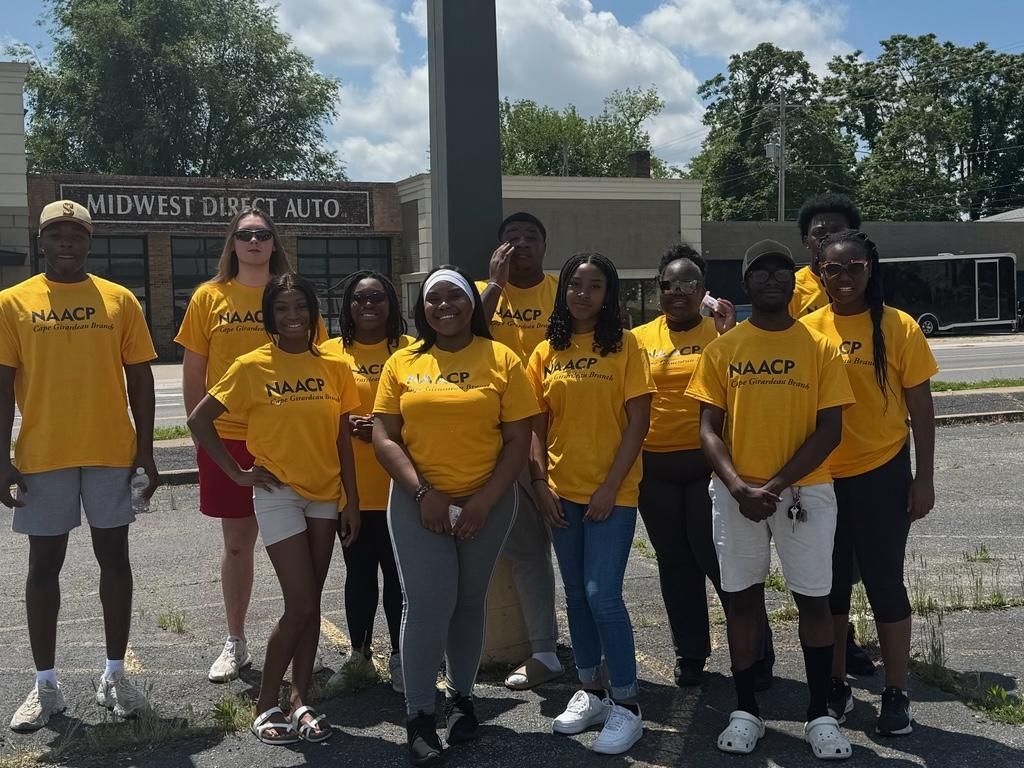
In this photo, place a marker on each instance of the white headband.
(449, 276)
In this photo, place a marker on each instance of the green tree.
(943, 125)
(542, 141)
(178, 87)
(740, 181)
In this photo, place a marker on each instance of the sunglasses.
(834, 269)
(369, 297)
(685, 287)
(245, 235)
(782, 275)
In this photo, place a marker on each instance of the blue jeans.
(592, 560)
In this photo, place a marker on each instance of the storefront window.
(193, 261)
(121, 260)
(328, 261)
(639, 300)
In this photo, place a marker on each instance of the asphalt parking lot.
(968, 550)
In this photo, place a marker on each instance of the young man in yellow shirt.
(519, 298)
(69, 342)
(772, 393)
(819, 216)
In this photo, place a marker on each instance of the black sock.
(746, 699)
(818, 664)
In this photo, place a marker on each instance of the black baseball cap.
(763, 249)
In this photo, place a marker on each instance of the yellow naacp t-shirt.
(809, 294)
(520, 320)
(367, 362)
(293, 404)
(452, 406)
(224, 321)
(70, 343)
(675, 418)
(585, 397)
(875, 427)
(771, 385)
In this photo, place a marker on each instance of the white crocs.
(742, 734)
(826, 740)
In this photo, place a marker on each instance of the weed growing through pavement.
(860, 614)
(981, 554)
(234, 713)
(775, 581)
(645, 551)
(172, 620)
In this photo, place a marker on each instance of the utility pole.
(782, 154)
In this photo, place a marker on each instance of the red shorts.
(219, 495)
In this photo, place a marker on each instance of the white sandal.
(826, 740)
(263, 723)
(311, 731)
(742, 734)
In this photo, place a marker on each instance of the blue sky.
(577, 51)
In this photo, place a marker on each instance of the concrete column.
(14, 223)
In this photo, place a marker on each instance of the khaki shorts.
(281, 513)
(56, 500)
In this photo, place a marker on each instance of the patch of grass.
(641, 546)
(172, 620)
(234, 713)
(981, 554)
(860, 614)
(786, 613)
(960, 386)
(775, 581)
(171, 433)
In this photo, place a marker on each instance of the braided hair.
(396, 325)
(290, 281)
(608, 331)
(873, 295)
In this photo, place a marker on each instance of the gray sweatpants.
(445, 582)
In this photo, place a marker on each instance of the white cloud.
(416, 17)
(723, 27)
(349, 33)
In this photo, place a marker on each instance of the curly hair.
(608, 331)
(682, 251)
(477, 323)
(874, 295)
(396, 326)
(290, 281)
(827, 203)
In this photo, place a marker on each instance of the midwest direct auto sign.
(120, 204)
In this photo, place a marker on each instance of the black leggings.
(676, 510)
(372, 549)
(873, 524)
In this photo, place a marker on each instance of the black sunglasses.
(369, 297)
(834, 269)
(781, 275)
(245, 235)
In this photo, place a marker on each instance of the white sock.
(47, 676)
(549, 659)
(115, 668)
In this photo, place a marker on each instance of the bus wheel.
(929, 324)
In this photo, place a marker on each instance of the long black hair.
(874, 295)
(396, 326)
(608, 331)
(477, 322)
(289, 281)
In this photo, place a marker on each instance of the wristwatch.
(422, 491)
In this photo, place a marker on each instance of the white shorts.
(805, 548)
(281, 513)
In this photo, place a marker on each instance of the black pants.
(370, 551)
(676, 510)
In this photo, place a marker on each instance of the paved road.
(176, 555)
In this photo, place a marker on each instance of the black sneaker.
(462, 723)
(857, 661)
(424, 745)
(895, 719)
(689, 672)
(763, 678)
(840, 700)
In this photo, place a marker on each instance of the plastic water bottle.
(139, 484)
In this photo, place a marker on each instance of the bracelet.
(496, 284)
(422, 491)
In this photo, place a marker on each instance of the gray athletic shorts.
(55, 500)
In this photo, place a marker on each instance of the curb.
(180, 476)
(955, 419)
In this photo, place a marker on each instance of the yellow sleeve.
(349, 394)
(518, 401)
(194, 334)
(795, 304)
(535, 376)
(707, 383)
(389, 390)
(480, 285)
(233, 391)
(833, 383)
(917, 363)
(136, 343)
(637, 380)
(10, 346)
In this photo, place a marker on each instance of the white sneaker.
(395, 668)
(583, 711)
(232, 660)
(44, 700)
(120, 695)
(621, 731)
